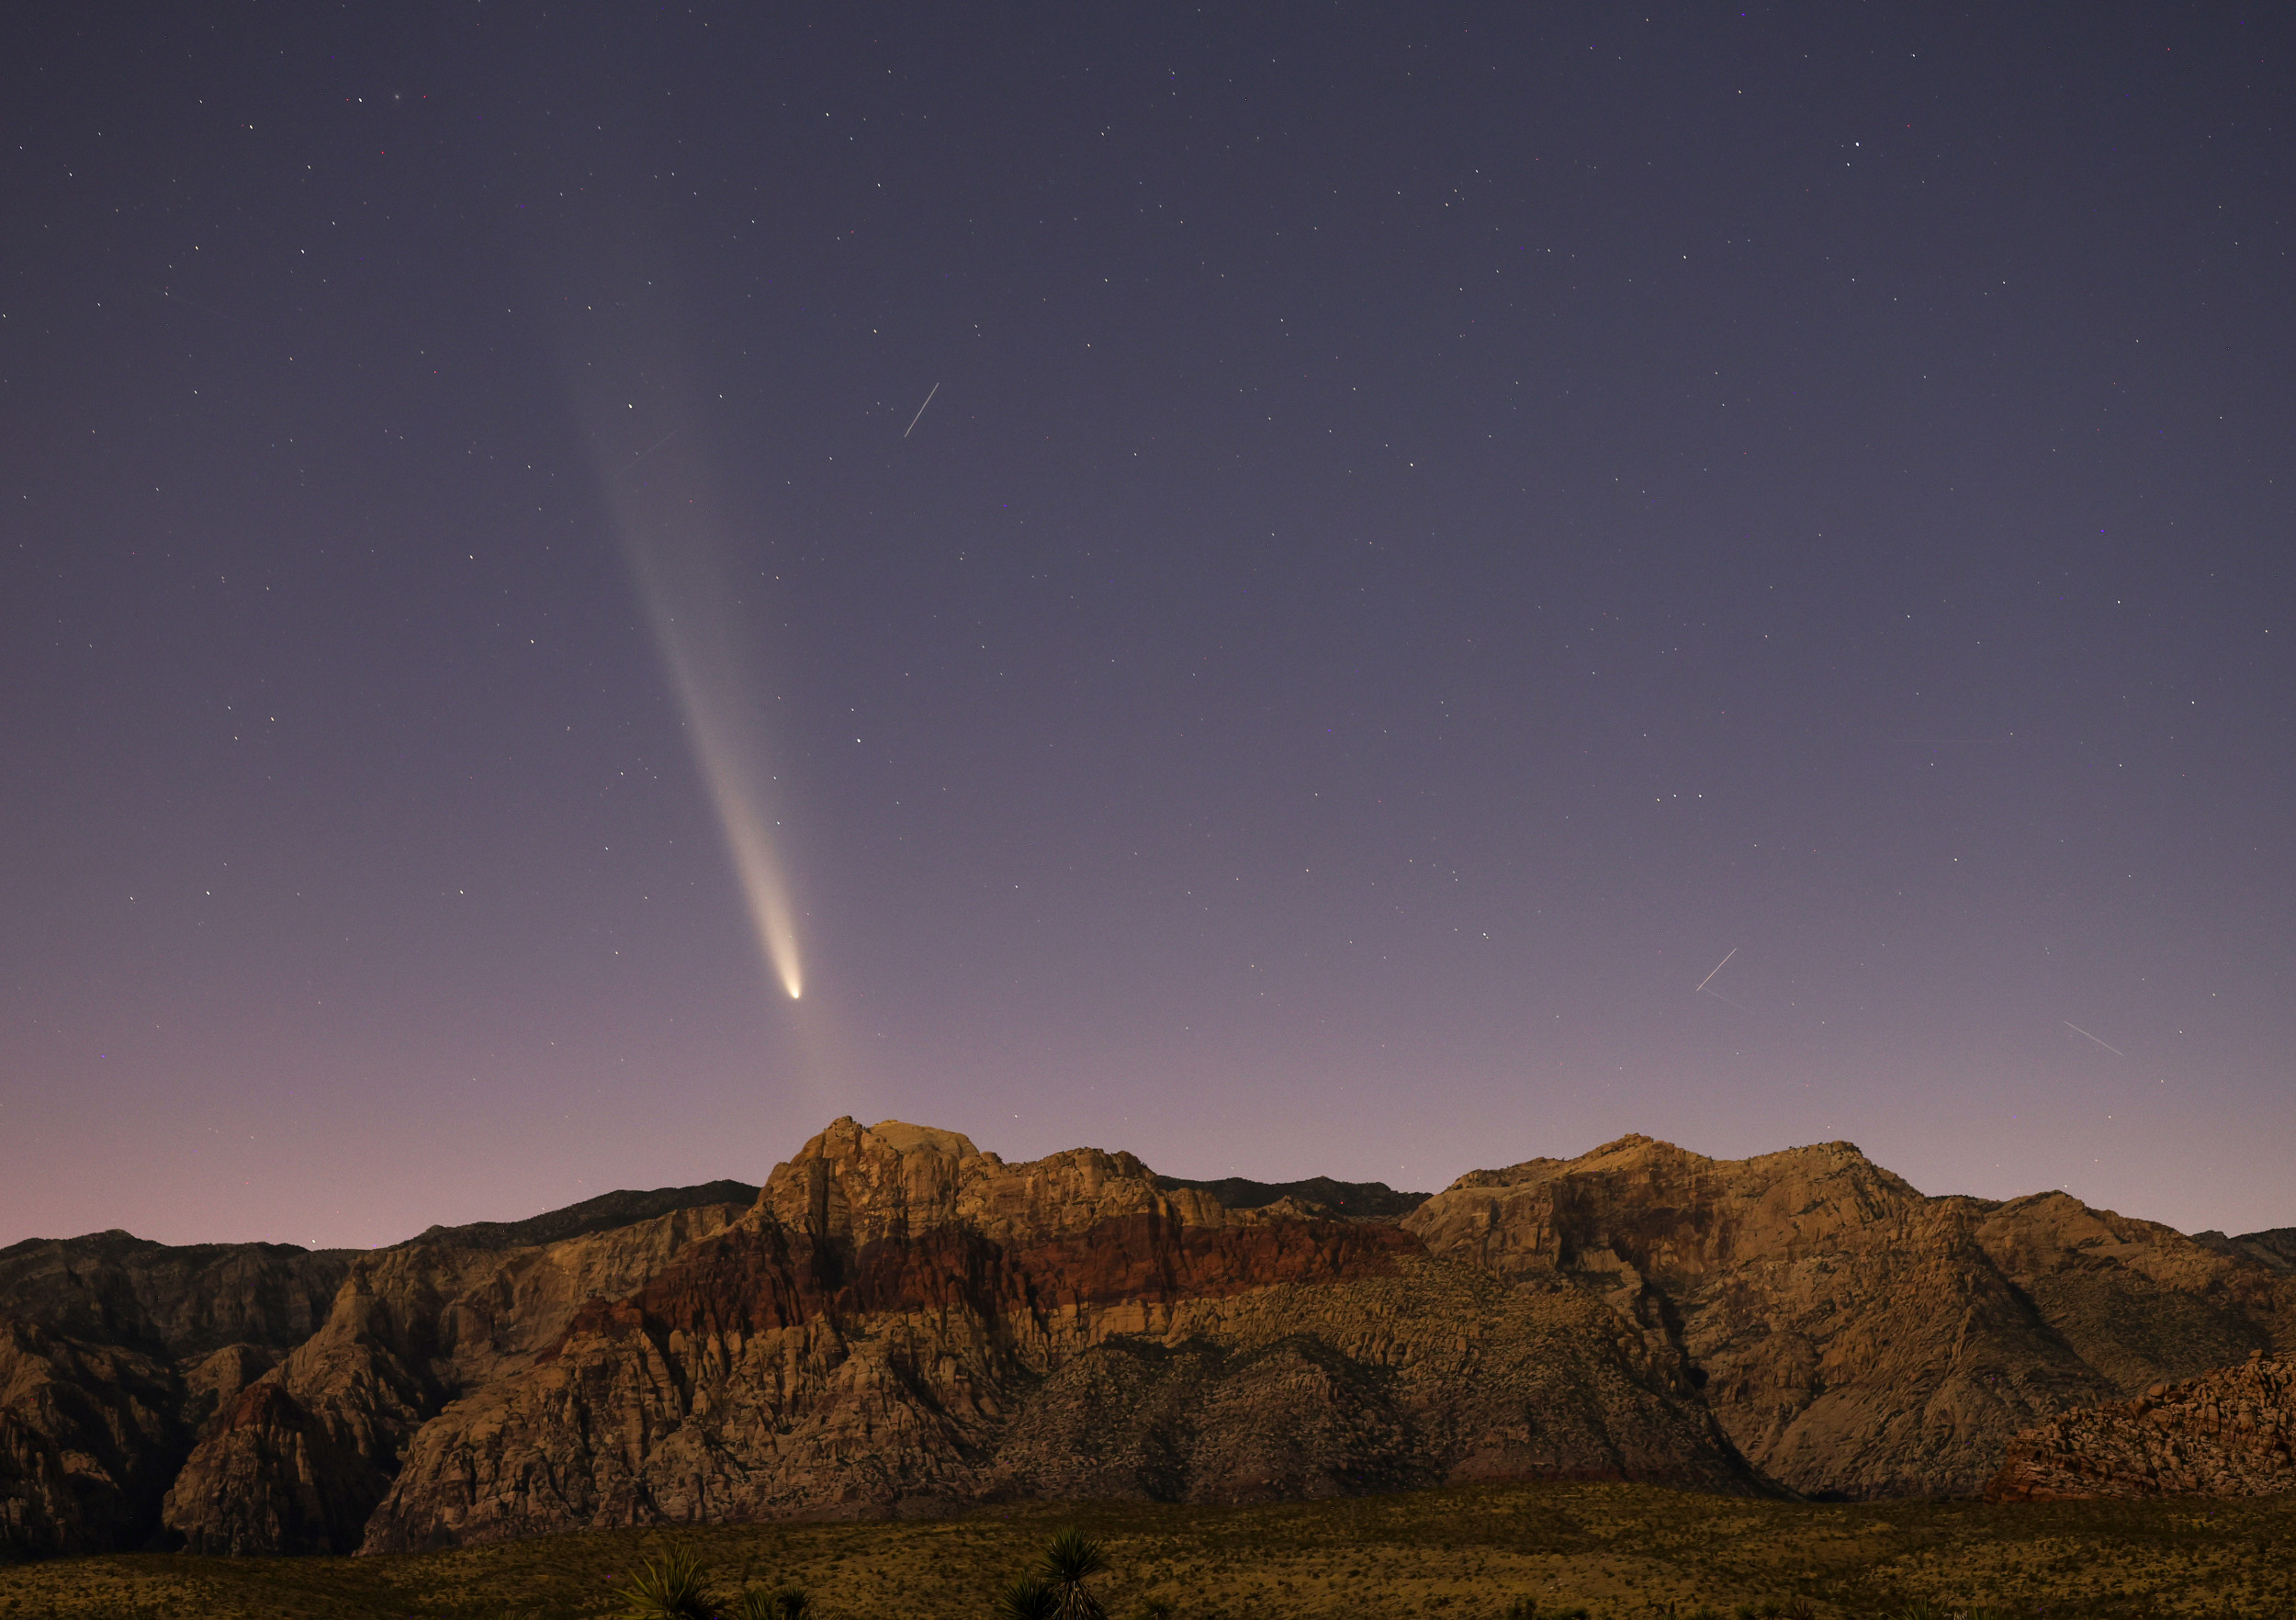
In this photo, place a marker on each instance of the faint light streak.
(1718, 968)
(2108, 1045)
(920, 413)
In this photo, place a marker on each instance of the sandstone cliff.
(902, 1322)
(302, 1454)
(2228, 1433)
(130, 1370)
(1852, 1336)
(89, 1437)
(905, 1321)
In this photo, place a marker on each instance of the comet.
(677, 552)
(647, 427)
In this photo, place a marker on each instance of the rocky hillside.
(124, 1365)
(899, 1319)
(2227, 1432)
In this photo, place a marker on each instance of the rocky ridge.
(127, 1366)
(901, 1322)
(905, 1322)
(2227, 1432)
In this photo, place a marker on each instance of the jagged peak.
(903, 1137)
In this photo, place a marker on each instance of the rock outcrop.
(901, 1322)
(2227, 1432)
(1852, 1336)
(88, 1438)
(299, 1457)
(905, 1321)
(2276, 1248)
(136, 1377)
(166, 1301)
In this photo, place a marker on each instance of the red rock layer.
(905, 1322)
(902, 1322)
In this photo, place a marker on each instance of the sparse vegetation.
(1515, 1552)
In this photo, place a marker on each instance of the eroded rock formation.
(1852, 1336)
(2227, 1432)
(299, 1457)
(901, 1322)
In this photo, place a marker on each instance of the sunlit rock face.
(903, 1323)
(297, 1460)
(1852, 1336)
(2227, 1432)
(906, 1322)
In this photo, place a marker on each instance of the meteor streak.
(2108, 1045)
(1718, 968)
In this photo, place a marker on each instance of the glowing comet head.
(726, 749)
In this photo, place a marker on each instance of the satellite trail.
(2108, 1045)
(920, 411)
(1718, 968)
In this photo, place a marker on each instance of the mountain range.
(899, 1323)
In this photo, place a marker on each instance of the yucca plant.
(1028, 1597)
(673, 1587)
(1070, 1559)
(784, 1602)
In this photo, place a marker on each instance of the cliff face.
(900, 1322)
(905, 1321)
(299, 1457)
(2228, 1433)
(140, 1382)
(1852, 1336)
(89, 1437)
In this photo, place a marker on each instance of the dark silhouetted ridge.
(1349, 1198)
(602, 1213)
(2276, 1247)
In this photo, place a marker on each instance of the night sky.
(1432, 527)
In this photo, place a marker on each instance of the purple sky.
(1435, 525)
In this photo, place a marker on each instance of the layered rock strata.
(900, 1322)
(139, 1379)
(2227, 1432)
(299, 1457)
(905, 1322)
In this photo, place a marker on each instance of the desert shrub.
(784, 1602)
(673, 1587)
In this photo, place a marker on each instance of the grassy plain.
(1622, 1551)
